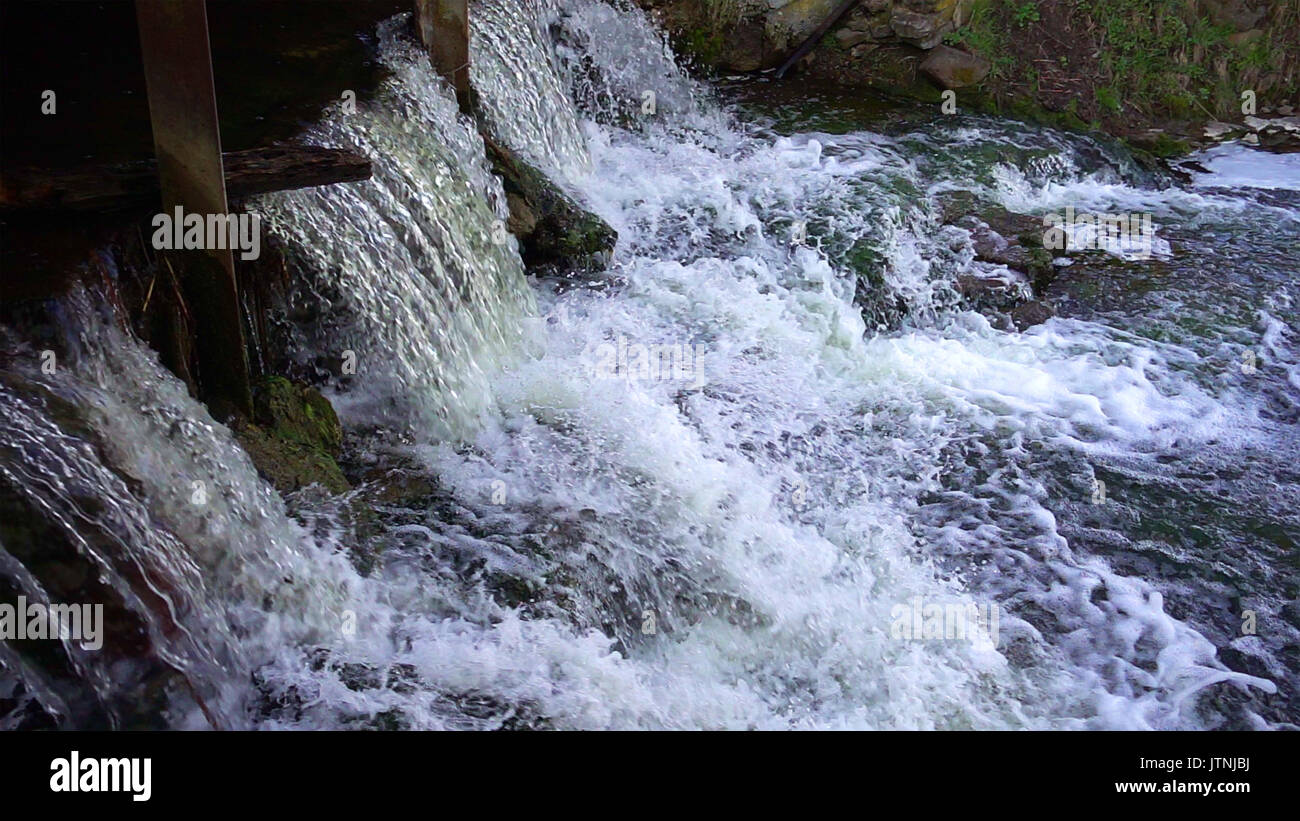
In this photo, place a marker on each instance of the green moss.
(294, 437)
(565, 237)
(703, 44)
(1167, 146)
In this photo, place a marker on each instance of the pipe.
(816, 36)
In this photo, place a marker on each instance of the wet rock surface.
(294, 437)
(1011, 270)
(558, 237)
(952, 68)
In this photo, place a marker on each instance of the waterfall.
(704, 496)
(415, 281)
(119, 488)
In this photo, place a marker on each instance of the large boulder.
(951, 68)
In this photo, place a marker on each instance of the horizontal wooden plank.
(135, 185)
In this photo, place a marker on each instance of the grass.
(1138, 59)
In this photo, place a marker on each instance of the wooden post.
(187, 142)
(444, 30)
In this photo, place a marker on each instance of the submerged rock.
(1033, 312)
(1012, 267)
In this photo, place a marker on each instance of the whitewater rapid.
(724, 548)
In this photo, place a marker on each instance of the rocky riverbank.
(1151, 71)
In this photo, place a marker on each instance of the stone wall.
(747, 35)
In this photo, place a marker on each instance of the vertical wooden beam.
(444, 30)
(187, 141)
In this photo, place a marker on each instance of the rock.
(954, 205)
(922, 30)
(1255, 123)
(1242, 38)
(848, 37)
(1291, 612)
(993, 290)
(556, 234)
(1248, 655)
(294, 437)
(1240, 14)
(880, 28)
(790, 24)
(299, 413)
(955, 69)
(1034, 312)
(1153, 143)
(991, 246)
(1279, 139)
(523, 220)
(1215, 130)
(1011, 264)
(745, 48)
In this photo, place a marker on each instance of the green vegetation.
(1025, 13)
(1153, 58)
(983, 35)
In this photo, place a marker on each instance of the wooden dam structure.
(189, 171)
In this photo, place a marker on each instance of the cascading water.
(723, 542)
(417, 278)
(119, 489)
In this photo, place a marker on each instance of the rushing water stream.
(725, 543)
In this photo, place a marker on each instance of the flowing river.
(735, 541)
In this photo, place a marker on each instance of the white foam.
(1233, 165)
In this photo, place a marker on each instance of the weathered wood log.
(134, 185)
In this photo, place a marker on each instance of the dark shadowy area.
(276, 63)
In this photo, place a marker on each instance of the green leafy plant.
(1025, 13)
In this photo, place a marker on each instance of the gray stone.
(955, 69)
(1034, 312)
(849, 38)
(921, 30)
(1215, 130)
